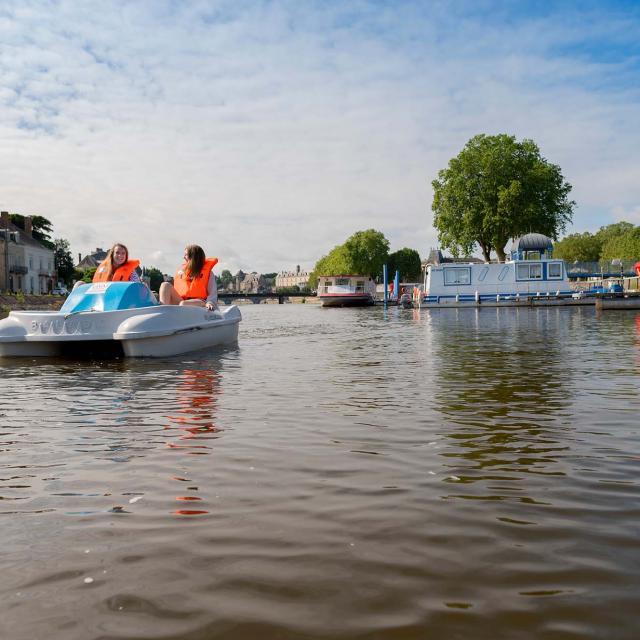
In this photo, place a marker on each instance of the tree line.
(364, 253)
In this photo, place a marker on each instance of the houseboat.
(531, 277)
(346, 291)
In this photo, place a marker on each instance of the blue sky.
(269, 131)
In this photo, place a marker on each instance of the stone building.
(253, 283)
(287, 279)
(26, 265)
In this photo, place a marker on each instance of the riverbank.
(20, 301)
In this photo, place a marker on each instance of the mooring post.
(385, 282)
(396, 285)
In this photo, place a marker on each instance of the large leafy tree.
(63, 260)
(407, 262)
(495, 189)
(363, 253)
(41, 228)
(368, 251)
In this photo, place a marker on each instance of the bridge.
(257, 298)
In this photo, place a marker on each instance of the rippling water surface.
(341, 473)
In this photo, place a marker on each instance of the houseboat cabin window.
(503, 273)
(555, 270)
(529, 272)
(359, 286)
(458, 275)
(342, 282)
(483, 274)
(532, 255)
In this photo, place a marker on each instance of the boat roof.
(532, 242)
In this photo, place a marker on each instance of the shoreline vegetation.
(25, 302)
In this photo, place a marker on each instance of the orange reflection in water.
(195, 423)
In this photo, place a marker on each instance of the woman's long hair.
(195, 261)
(110, 253)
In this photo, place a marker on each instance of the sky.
(270, 131)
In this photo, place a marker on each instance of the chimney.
(297, 269)
(28, 225)
(4, 219)
(79, 258)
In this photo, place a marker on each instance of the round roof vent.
(532, 242)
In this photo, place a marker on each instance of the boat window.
(555, 269)
(457, 275)
(529, 272)
(503, 273)
(359, 285)
(342, 282)
(483, 274)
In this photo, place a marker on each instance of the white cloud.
(269, 132)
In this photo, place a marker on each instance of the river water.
(341, 473)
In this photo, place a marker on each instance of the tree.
(407, 262)
(580, 247)
(63, 260)
(613, 231)
(368, 251)
(155, 277)
(85, 275)
(364, 253)
(41, 228)
(497, 188)
(623, 247)
(225, 278)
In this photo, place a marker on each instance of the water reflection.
(196, 397)
(502, 383)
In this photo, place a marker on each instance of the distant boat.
(346, 291)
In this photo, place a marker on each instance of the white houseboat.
(530, 277)
(346, 291)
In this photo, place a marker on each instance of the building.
(253, 283)
(26, 265)
(91, 260)
(288, 279)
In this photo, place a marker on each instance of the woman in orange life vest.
(194, 283)
(117, 267)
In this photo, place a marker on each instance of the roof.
(24, 238)
(92, 260)
(532, 242)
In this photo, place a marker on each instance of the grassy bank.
(9, 302)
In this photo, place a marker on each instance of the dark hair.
(110, 253)
(195, 260)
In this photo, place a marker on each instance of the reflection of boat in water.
(116, 318)
(346, 291)
(531, 278)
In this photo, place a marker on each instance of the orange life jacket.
(189, 287)
(122, 273)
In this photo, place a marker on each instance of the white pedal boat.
(116, 319)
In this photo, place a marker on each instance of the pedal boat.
(116, 319)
